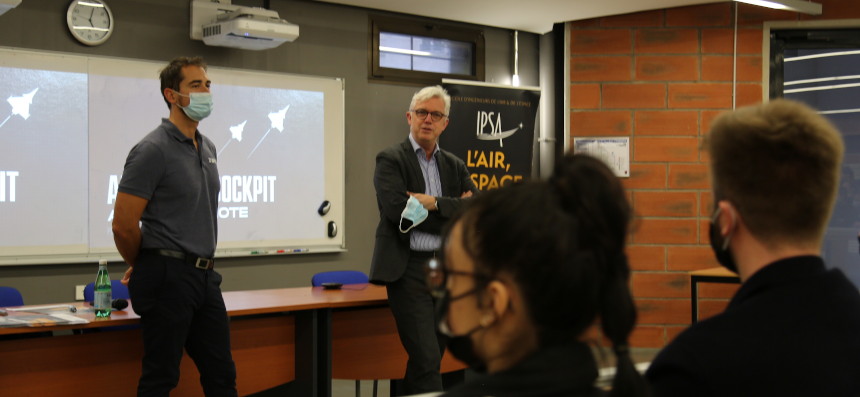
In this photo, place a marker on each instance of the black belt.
(422, 254)
(196, 261)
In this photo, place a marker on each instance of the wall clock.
(90, 21)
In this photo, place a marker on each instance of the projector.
(249, 29)
(6, 5)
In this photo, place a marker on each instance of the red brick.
(667, 41)
(609, 68)
(672, 332)
(600, 41)
(717, 290)
(704, 227)
(629, 96)
(700, 95)
(719, 14)
(585, 23)
(748, 94)
(721, 41)
(666, 122)
(667, 67)
(660, 285)
(689, 258)
(600, 123)
(834, 9)
(689, 176)
(710, 308)
(750, 41)
(646, 176)
(665, 203)
(636, 19)
(585, 96)
(646, 257)
(666, 231)
(719, 68)
(647, 337)
(708, 117)
(663, 311)
(665, 149)
(706, 204)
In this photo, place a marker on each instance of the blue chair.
(118, 290)
(10, 296)
(339, 276)
(344, 277)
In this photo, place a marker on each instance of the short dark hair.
(562, 241)
(778, 163)
(171, 76)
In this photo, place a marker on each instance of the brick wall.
(660, 77)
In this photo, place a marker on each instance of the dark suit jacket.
(792, 329)
(398, 171)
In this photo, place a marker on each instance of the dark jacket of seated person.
(792, 329)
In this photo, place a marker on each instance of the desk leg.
(694, 298)
(313, 353)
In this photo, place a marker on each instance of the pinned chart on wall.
(69, 121)
(614, 151)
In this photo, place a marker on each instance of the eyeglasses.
(435, 116)
(437, 278)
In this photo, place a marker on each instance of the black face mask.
(720, 246)
(460, 346)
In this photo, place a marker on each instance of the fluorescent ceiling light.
(806, 7)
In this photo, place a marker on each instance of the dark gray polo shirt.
(182, 187)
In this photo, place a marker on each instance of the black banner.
(493, 130)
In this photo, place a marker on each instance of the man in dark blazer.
(793, 327)
(439, 182)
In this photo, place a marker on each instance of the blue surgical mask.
(199, 107)
(414, 213)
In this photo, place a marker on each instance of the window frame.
(425, 28)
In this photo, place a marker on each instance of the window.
(412, 50)
(819, 67)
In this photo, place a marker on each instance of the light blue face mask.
(414, 212)
(199, 107)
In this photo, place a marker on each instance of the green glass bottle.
(102, 298)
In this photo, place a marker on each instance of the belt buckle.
(203, 263)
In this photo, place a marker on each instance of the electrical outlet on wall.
(79, 292)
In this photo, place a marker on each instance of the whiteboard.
(67, 123)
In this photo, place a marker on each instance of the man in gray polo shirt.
(165, 228)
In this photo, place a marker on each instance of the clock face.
(90, 21)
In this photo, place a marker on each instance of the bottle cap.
(102, 261)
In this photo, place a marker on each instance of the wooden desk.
(298, 335)
(712, 275)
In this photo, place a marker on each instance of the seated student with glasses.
(525, 271)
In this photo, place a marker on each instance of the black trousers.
(415, 316)
(181, 307)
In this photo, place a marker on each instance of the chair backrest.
(10, 296)
(339, 276)
(118, 290)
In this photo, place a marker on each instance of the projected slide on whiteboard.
(279, 140)
(43, 154)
